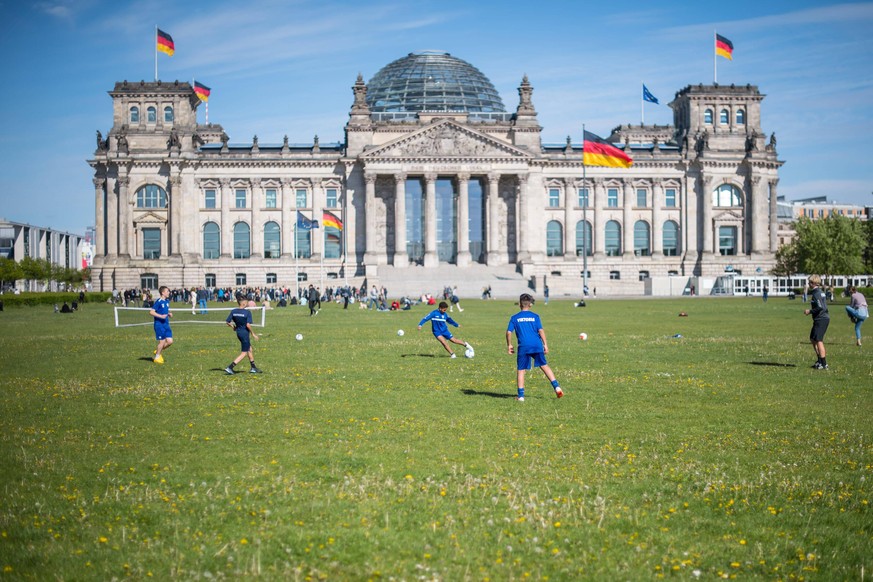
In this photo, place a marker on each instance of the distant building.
(19, 240)
(820, 207)
(435, 182)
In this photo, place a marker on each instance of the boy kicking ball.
(532, 344)
(240, 319)
(438, 320)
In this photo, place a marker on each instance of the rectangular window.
(670, 197)
(209, 199)
(240, 279)
(210, 280)
(554, 198)
(727, 240)
(270, 198)
(151, 243)
(644, 275)
(642, 194)
(612, 197)
(615, 275)
(301, 198)
(583, 197)
(148, 281)
(271, 278)
(240, 199)
(332, 197)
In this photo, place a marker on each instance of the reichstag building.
(435, 183)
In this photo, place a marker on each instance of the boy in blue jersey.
(240, 319)
(161, 312)
(438, 320)
(532, 344)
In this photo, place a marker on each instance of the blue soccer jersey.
(526, 325)
(438, 321)
(240, 318)
(161, 307)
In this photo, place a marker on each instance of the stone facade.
(177, 204)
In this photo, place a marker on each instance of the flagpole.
(296, 262)
(345, 239)
(642, 110)
(714, 57)
(156, 53)
(585, 228)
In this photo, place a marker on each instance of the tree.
(10, 271)
(832, 246)
(787, 261)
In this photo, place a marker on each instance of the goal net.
(132, 316)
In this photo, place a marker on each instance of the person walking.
(857, 311)
(240, 320)
(820, 320)
(532, 345)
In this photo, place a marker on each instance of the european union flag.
(647, 96)
(304, 223)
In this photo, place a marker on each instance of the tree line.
(40, 270)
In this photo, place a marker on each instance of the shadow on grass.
(417, 356)
(470, 392)
(774, 364)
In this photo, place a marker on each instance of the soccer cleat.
(558, 392)
(520, 398)
(255, 370)
(820, 366)
(159, 359)
(229, 371)
(454, 356)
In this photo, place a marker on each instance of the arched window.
(554, 239)
(642, 246)
(151, 115)
(583, 238)
(272, 241)
(741, 116)
(612, 240)
(707, 117)
(211, 240)
(242, 238)
(134, 114)
(151, 196)
(724, 117)
(168, 114)
(727, 195)
(670, 238)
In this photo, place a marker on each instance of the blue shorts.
(245, 341)
(523, 359)
(446, 334)
(162, 330)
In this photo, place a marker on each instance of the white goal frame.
(257, 321)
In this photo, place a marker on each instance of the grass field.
(360, 454)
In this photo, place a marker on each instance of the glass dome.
(432, 81)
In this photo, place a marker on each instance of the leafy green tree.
(832, 246)
(10, 271)
(868, 239)
(787, 261)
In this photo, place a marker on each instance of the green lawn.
(360, 454)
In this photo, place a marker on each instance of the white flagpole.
(584, 220)
(156, 53)
(714, 58)
(296, 262)
(642, 109)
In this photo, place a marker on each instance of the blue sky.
(280, 67)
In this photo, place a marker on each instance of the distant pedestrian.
(546, 294)
(857, 311)
(766, 293)
(820, 321)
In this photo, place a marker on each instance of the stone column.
(174, 227)
(493, 221)
(317, 233)
(569, 226)
(125, 217)
(288, 218)
(257, 228)
(599, 226)
(112, 221)
(226, 223)
(774, 222)
(627, 229)
(370, 218)
(401, 257)
(657, 221)
(463, 220)
(99, 235)
(705, 213)
(431, 257)
(523, 237)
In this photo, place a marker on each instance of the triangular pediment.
(445, 139)
(150, 218)
(729, 216)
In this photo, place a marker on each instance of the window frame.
(240, 195)
(554, 240)
(670, 199)
(134, 114)
(169, 114)
(331, 197)
(210, 202)
(151, 235)
(554, 198)
(612, 198)
(583, 197)
(271, 197)
(612, 250)
(151, 114)
(272, 248)
(239, 252)
(642, 196)
(217, 234)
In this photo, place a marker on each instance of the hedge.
(50, 298)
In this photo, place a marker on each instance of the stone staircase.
(413, 281)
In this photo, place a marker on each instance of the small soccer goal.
(133, 316)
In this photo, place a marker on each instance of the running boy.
(531, 344)
(161, 312)
(240, 319)
(820, 320)
(438, 320)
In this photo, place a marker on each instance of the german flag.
(724, 47)
(165, 43)
(329, 220)
(599, 152)
(202, 91)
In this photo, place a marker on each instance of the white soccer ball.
(469, 353)
(583, 336)
(299, 336)
(400, 332)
